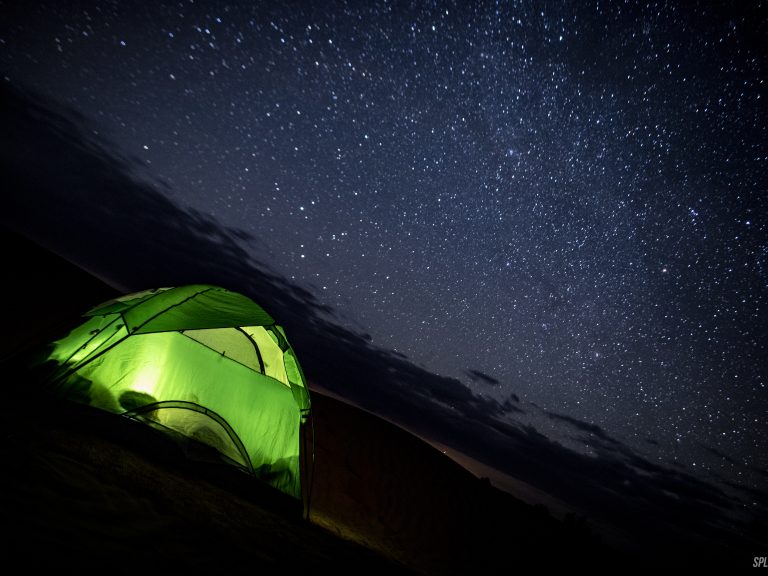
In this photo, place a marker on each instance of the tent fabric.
(200, 360)
(185, 308)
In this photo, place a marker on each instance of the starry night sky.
(562, 202)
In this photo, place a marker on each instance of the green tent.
(199, 361)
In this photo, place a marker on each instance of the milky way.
(562, 202)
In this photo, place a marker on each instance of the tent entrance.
(197, 423)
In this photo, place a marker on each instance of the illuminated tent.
(199, 361)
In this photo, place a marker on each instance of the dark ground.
(85, 492)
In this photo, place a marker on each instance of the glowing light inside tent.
(151, 359)
(146, 378)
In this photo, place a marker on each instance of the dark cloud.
(754, 494)
(511, 405)
(478, 376)
(720, 454)
(592, 429)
